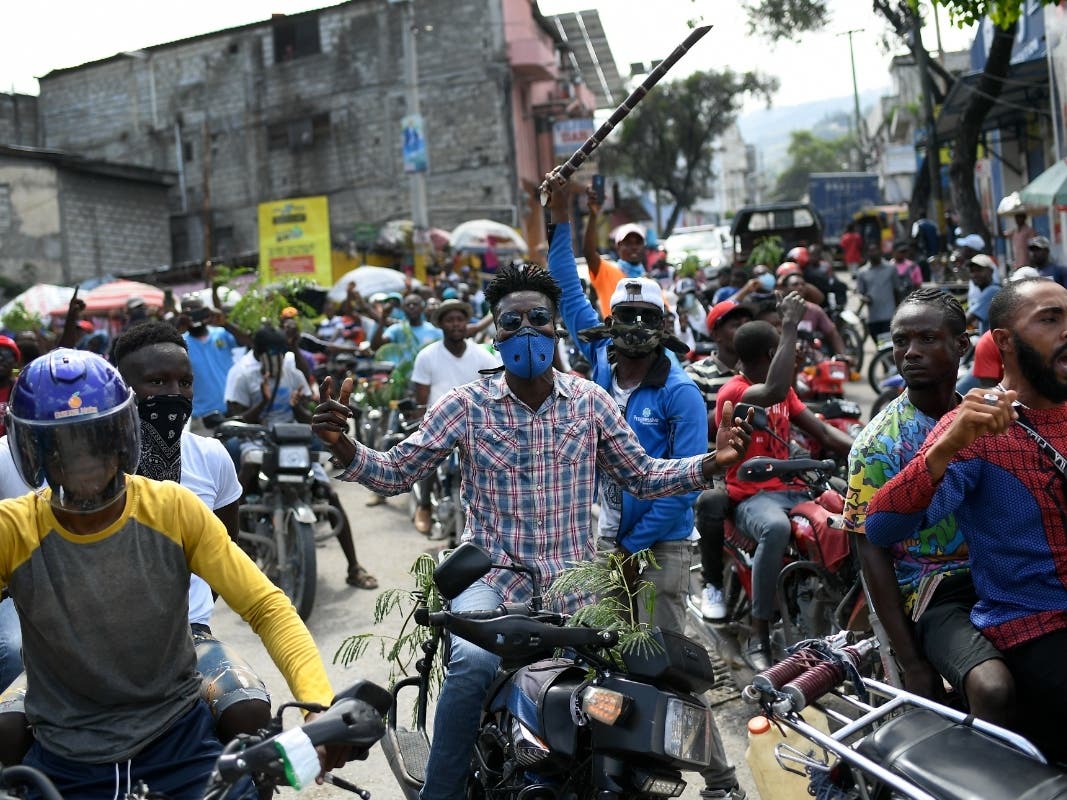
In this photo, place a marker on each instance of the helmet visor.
(83, 460)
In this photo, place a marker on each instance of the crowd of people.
(564, 392)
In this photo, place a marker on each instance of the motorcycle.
(819, 587)
(851, 328)
(368, 409)
(590, 725)
(447, 518)
(820, 383)
(928, 752)
(273, 758)
(280, 526)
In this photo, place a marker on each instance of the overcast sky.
(42, 35)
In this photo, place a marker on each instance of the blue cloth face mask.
(528, 353)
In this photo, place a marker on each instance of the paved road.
(387, 546)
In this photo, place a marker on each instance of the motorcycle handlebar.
(355, 718)
(20, 775)
(520, 635)
(762, 468)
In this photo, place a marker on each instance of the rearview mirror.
(760, 421)
(464, 566)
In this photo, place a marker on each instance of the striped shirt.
(710, 375)
(528, 476)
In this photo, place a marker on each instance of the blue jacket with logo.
(666, 411)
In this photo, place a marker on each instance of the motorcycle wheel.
(881, 367)
(884, 399)
(806, 604)
(299, 586)
(853, 340)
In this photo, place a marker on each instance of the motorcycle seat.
(291, 432)
(762, 468)
(953, 761)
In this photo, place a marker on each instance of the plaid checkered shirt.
(528, 476)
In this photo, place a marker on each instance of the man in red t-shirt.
(765, 377)
(10, 358)
(852, 248)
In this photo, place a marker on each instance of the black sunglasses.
(512, 320)
(629, 315)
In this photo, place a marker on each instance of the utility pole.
(420, 222)
(933, 146)
(862, 157)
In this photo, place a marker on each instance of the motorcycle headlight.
(687, 731)
(293, 457)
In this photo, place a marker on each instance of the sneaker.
(733, 793)
(758, 654)
(712, 603)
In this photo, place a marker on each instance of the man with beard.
(995, 462)
(921, 588)
(531, 440)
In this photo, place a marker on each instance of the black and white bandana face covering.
(162, 419)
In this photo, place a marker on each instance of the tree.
(777, 19)
(666, 144)
(807, 154)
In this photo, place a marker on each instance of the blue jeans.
(10, 643)
(459, 708)
(764, 518)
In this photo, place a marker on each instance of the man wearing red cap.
(10, 359)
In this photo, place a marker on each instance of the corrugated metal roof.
(584, 36)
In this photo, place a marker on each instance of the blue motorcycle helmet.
(72, 423)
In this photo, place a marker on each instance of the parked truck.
(837, 196)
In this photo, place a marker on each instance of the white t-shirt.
(207, 471)
(245, 381)
(11, 483)
(437, 368)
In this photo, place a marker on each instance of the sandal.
(361, 579)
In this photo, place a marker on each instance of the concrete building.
(895, 125)
(311, 104)
(65, 218)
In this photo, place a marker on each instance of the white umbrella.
(227, 296)
(478, 235)
(41, 299)
(369, 280)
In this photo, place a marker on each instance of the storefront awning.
(1024, 93)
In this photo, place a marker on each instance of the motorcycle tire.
(880, 368)
(853, 340)
(300, 585)
(884, 399)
